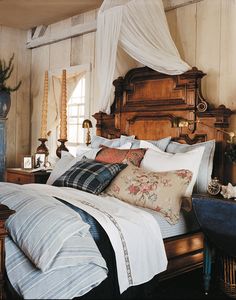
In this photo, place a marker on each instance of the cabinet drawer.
(19, 178)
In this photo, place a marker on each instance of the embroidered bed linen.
(134, 234)
(50, 246)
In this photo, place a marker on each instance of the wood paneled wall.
(18, 123)
(204, 34)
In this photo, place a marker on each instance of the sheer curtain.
(140, 29)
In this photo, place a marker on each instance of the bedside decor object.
(87, 124)
(43, 134)
(27, 162)
(228, 191)
(214, 187)
(179, 122)
(63, 116)
(5, 98)
(39, 160)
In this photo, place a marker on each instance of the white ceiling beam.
(62, 35)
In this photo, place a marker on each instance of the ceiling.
(25, 14)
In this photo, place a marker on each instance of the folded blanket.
(134, 234)
(51, 242)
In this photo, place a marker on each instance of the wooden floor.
(190, 287)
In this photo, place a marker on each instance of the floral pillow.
(159, 191)
(113, 156)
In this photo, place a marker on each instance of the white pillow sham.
(206, 166)
(157, 160)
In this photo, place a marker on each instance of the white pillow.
(68, 160)
(125, 146)
(157, 160)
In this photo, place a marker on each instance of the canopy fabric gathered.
(138, 28)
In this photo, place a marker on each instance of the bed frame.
(146, 105)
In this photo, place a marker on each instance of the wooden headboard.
(147, 103)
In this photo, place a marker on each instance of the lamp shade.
(87, 124)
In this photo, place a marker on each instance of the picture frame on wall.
(27, 162)
(39, 160)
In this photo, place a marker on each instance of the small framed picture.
(27, 162)
(39, 160)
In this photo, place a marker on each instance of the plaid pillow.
(89, 175)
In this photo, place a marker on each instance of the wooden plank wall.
(70, 52)
(18, 123)
(204, 34)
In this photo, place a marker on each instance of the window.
(78, 109)
(76, 113)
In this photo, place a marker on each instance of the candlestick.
(44, 108)
(63, 120)
(61, 147)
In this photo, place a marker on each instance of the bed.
(147, 107)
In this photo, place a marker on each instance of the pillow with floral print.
(114, 155)
(159, 191)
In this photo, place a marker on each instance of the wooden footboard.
(184, 253)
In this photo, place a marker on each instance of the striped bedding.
(50, 253)
(133, 233)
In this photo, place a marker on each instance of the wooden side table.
(21, 176)
(217, 219)
(5, 212)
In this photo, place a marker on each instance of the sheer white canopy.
(138, 29)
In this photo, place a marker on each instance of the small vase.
(5, 103)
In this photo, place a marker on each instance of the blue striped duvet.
(50, 253)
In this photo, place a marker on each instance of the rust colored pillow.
(112, 155)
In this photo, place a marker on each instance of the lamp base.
(42, 148)
(62, 147)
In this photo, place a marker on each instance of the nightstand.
(217, 219)
(21, 176)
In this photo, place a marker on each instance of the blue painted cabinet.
(2, 148)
